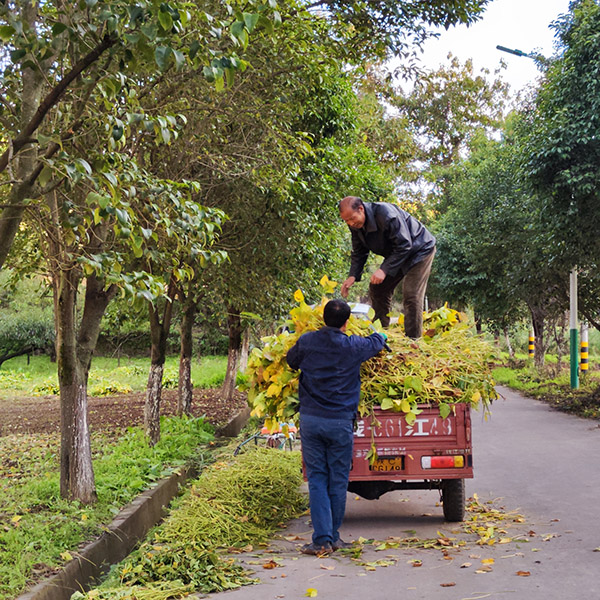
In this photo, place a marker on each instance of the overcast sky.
(521, 24)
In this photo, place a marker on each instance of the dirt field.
(42, 414)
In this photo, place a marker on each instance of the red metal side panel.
(404, 445)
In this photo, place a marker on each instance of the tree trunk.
(560, 339)
(245, 351)
(234, 327)
(153, 398)
(478, 327)
(538, 321)
(511, 351)
(76, 471)
(159, 333)
(26, 160)
(74, 356)
(185, 386)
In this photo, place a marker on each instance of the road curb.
(126, 530)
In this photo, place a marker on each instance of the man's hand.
(347, 285)
(377, 277)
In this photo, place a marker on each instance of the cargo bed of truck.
(431, 453)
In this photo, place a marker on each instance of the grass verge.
(554, 388)
(39, 529)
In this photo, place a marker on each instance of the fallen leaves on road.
(484, 569)
(523, 573)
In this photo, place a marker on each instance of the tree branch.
(53, 97)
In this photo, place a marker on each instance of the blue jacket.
(329, 361)
(392, 233)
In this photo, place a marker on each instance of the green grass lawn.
(107, 376)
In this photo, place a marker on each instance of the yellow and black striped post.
(584, 357)
(531, 346)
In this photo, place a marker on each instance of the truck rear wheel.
(453, 499)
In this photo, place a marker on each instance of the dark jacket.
(329, 361)
(392, 233)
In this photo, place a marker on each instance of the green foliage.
(24, 334)
(382, 26)
(432, 126)
(38, 527)
(170, 378)
(48, 387)
(563, 150)
(106, 387)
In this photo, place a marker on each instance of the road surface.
(538, 467)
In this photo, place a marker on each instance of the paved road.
(530, 459)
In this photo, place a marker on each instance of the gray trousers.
(414, 286)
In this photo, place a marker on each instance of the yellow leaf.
(327, 284)
(16, 519)
(273, 390)
(298, 296)
(487, 561)
(311, 593)
(66, 556)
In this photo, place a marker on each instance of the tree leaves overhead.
(377, 27)
(564, 146)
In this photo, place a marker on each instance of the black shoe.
(316, 550)
(341, 545)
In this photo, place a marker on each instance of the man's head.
(352, 211)
(336, 313)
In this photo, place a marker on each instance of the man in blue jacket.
(408, 249)
(329, 391)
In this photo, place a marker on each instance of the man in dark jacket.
(408, 249)
(329, 391)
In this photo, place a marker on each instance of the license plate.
(388, 463)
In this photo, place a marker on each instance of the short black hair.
(336, 313)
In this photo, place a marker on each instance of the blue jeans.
(327, 453)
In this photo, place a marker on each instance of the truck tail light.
(442, 462)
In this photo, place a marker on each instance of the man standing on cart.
(329, 391)
(408, 249)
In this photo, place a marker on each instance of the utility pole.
(574, 348)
